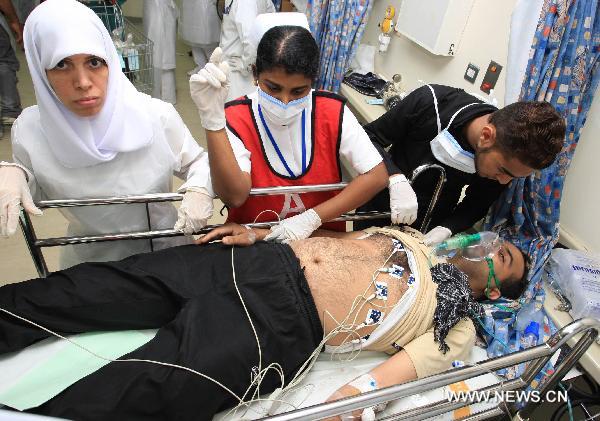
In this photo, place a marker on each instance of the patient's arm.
(234, 234)
(395, 370)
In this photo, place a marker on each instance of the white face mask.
(279, 113)
(444, 146)
(447, 150)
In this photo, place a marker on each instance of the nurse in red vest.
(284, 134)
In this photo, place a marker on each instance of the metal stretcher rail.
(538, 356)
(34, 244)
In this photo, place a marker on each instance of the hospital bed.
(420, 399)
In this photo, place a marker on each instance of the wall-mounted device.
(471, 73)
(392, 93)
(387, 27)
(491, 77)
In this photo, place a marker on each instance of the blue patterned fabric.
(562, 70)
(338, 27)
(277, 4)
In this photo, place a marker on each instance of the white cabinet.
(436, 25)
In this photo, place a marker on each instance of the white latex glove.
(14, 192)
(297, 227)
(436, 236)
(403, 200)
(196, 207)
(208, 89)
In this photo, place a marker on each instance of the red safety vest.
(323, 166)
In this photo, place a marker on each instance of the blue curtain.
(277, 4)
(338, 27)
(562, 70)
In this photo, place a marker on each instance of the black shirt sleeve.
(479, 196)
(394, 127)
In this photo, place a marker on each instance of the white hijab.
(61, 28)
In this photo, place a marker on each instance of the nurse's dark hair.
(291, 48)
(533, 132)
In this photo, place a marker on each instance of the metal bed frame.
(35, 244)
(539, 355)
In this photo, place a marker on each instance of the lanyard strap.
(437, 112)
(303, 142)
(278, 151)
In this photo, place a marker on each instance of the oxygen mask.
(475, 247)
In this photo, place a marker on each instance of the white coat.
(199, 23)
(173, 151)
(238, 21)
(160, 26)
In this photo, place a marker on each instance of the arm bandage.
(366, 383)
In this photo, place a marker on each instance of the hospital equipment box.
(436, 26)
(577, 274)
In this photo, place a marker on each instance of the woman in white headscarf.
(92, 134)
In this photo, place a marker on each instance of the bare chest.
(342, 275)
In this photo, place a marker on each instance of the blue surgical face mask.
(278, 112)
(444, 146)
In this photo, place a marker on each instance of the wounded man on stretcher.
(243, 316)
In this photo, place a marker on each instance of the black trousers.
(188, 293)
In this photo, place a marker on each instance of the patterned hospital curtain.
(277, 4)
(563, 70)
(338, 26)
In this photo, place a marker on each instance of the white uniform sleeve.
(242, 155)
(244, 15)
(22, 160)
(191, 160)
(356, 146)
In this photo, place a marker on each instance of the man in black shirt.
(478, 145)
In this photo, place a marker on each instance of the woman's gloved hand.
(436, 236)
(14, 192)
(196, 207)
(403, 200)
(208, 89)
(297, 227)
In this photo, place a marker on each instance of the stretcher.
(35, 244)
(420, 399)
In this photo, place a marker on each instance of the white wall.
(580, 204)
(486, 38)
